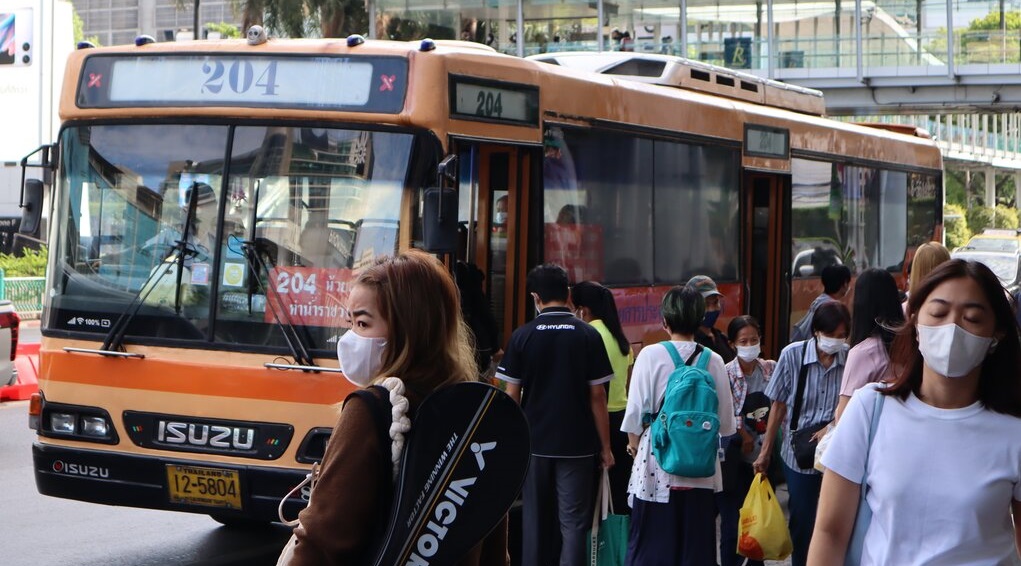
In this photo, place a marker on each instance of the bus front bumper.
(127, 480)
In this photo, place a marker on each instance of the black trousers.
(557, 499)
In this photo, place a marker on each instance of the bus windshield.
(314, 204)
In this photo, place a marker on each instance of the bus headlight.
(77, 422)
(95, 426)
(63, 422)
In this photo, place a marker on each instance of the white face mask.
(830, 345)
(950, 350)
(361, 358)
(748, 353)
(500, 218)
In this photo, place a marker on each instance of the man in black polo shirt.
(555, 366)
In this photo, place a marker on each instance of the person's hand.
(761, 464)
(821, 433)
(498, 356)
(607, 458)
(631, 450)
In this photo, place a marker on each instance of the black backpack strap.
(377, 398)
(799, 393)
(694, 355)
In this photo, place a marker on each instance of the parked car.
(1005, 265)
(9, 324)
(994, 240)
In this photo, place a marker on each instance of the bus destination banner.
(358, 84)
(309, 296)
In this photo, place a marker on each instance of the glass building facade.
(769, 36)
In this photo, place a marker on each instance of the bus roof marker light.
(427, 45)
(354, 40)
(144, 40)
(86, 45)
(256, 35)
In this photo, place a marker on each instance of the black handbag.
(801, 438)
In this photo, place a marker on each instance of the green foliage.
(32, 264)
(956, 193)
(956, 224)
(79, 29)
(992, 21)
(225, 29)
(979, 218)
(1006, 217)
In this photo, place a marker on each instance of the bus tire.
(238, 522)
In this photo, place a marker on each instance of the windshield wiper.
(114, 342)
(257, 267)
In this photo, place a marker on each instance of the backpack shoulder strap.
(704, 356)
(674, 354)
(377, 398)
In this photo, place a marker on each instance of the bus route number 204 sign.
(309, 296)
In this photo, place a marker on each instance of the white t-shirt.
(940, 481)
(648, 382)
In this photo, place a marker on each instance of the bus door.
(767, 262)
(493, 195)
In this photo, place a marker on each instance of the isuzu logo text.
(73, 469)
(212, 436)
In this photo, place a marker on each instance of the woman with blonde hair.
(927, 257)
(405, 322)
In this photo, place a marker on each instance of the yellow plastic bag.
(764, 534)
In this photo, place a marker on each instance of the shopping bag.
(609, 534)
(824, 443)
(764, 534)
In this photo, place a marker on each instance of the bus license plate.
(212, 487)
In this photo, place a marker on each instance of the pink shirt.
(866, 363)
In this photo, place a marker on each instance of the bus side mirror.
(32, 207)
(439, 220)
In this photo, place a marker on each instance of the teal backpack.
(686, 430)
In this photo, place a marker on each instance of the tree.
(79, 29)
(957, 232)
(225, 29)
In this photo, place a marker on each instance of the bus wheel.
(235, 522)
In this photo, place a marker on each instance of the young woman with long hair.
(943, 469)
(594, 304)
(877, 312)
(405, 322)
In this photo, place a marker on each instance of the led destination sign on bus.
(494, 101)
(360, 84)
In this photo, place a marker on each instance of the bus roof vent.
(701, 75)
(637, 67)
(693, 75)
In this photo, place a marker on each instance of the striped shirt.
(822, 389)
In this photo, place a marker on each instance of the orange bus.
(211, 201)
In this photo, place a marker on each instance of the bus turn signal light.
(35, 410)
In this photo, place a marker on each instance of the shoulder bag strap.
(799, 392)
(877, 409)
(377, 398)
(698, 350)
